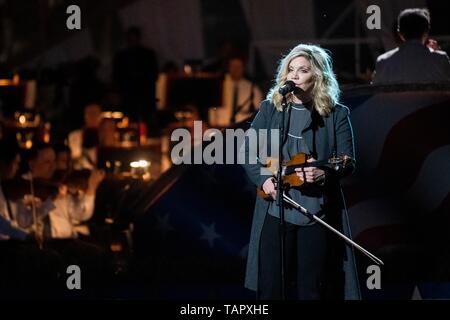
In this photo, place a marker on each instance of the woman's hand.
(269, 187)
(310, 174)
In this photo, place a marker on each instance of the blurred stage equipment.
(140, 169)
(30, 128)
(17, 114)
(130, 134)
(195, 89)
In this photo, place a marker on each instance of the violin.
(300, 160)
(74, 180)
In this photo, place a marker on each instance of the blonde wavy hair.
(325, 91)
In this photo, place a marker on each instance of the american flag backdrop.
(398, 199)
(192, 242)
(191, 232)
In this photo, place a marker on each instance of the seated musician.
(24, 266)
(75, 201)
(68, 208)
(84, 142)
(62, 208)
(9, 164)
(98, 132)
(241, 98)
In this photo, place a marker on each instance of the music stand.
(202, 90)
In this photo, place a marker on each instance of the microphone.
(287, 87)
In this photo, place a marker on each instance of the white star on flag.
(209, 234)
(162, 223)
(416, 294)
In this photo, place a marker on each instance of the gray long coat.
(323, 135)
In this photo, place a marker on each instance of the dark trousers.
(305, 248)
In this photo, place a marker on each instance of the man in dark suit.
(413, 61)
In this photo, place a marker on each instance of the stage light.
(140, 168)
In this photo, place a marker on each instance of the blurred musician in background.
(135, 71)
(59, 208)
(9, 164)
(63, 207)
(417, 59)
(75, 200)
(241, 97)
(83, 142)
(23, 265)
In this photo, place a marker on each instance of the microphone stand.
(280, 203)
(323, 223)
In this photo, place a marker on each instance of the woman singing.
(319, 265)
